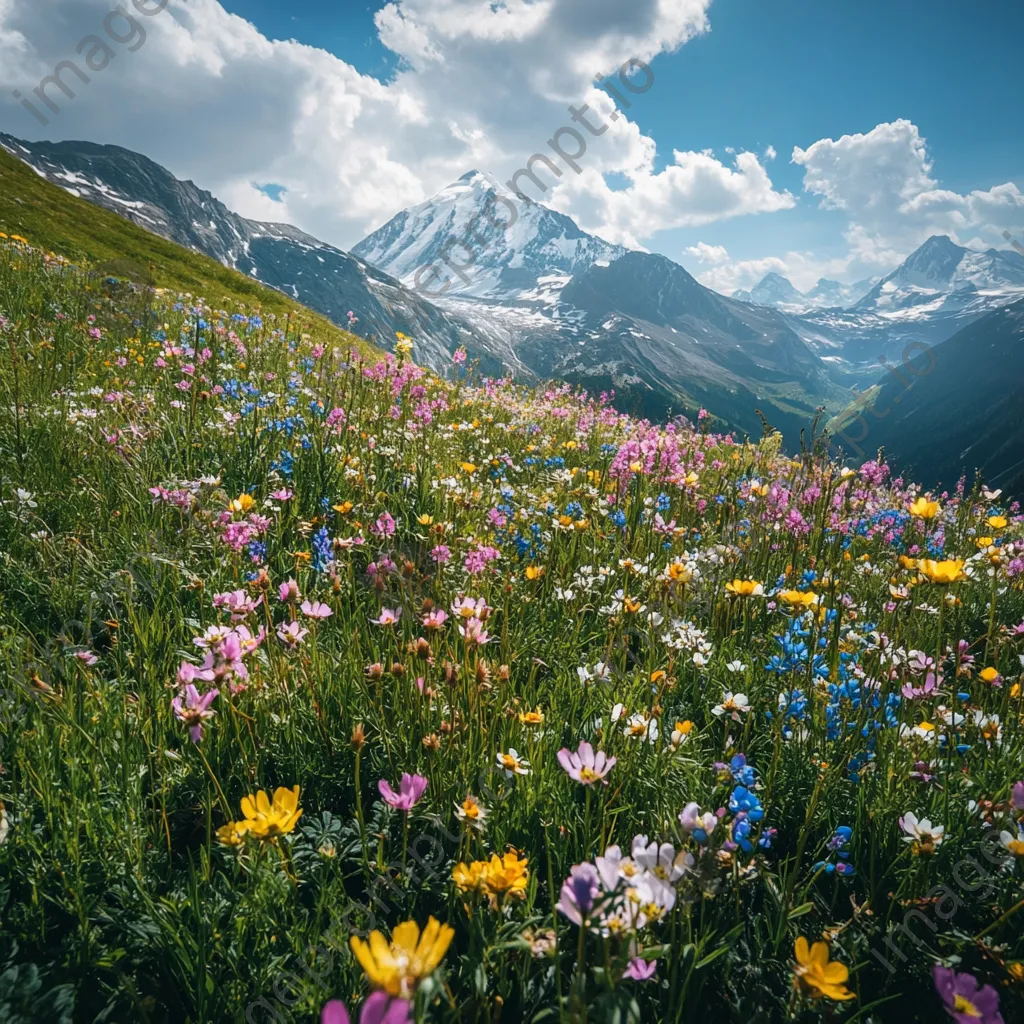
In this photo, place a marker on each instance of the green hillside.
(50, 218)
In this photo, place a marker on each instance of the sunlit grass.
(483, 577)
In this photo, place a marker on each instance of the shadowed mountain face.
(646, 325)
(961, 417)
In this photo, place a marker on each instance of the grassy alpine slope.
(58, 222)
(634, 722)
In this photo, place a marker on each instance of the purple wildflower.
(410, 789)
(965, 1002)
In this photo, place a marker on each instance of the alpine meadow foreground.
(331, 689)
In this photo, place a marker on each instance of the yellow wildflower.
(507, 875)
(817, 974)
(266, 820)
(803, 599)
(532, 717)
(745, 588)
(398, 967)
(948, 571)
(923, 508)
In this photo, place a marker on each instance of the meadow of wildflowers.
(335, 691)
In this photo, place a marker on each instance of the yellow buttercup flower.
(506, 875)
(532, 717)
(266, 820)
(679, 572)
(923, 508)
(534, 572)
(469, 877)
(804, 599)
(243, 503)
(745, 588)
(817, 974)
(425, 520)
(949, 571)
(997, 522)
(232, 834)
(398, 967)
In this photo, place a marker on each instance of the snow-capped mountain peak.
(941, 273)
(772, 290)
(475, 238)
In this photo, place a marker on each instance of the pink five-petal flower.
(291, 633)
(584, 765)
(315, 610)
(410, 789)
(388, 617)
(193, 709)
(640, 969)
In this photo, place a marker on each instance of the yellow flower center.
(588, 775)
(962, 1005)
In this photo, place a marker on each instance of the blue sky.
(784, 75)
(788, 73)
(806, 138)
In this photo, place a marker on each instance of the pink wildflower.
(388, 617)
(193, 709)
(315, 610)
(410, 790)
(584, 765)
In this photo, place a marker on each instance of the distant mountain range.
(935, 292)
(775, 290)
(553, 301)
(534, 295)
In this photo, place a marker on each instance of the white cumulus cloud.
(479, 85)
(883, 181)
